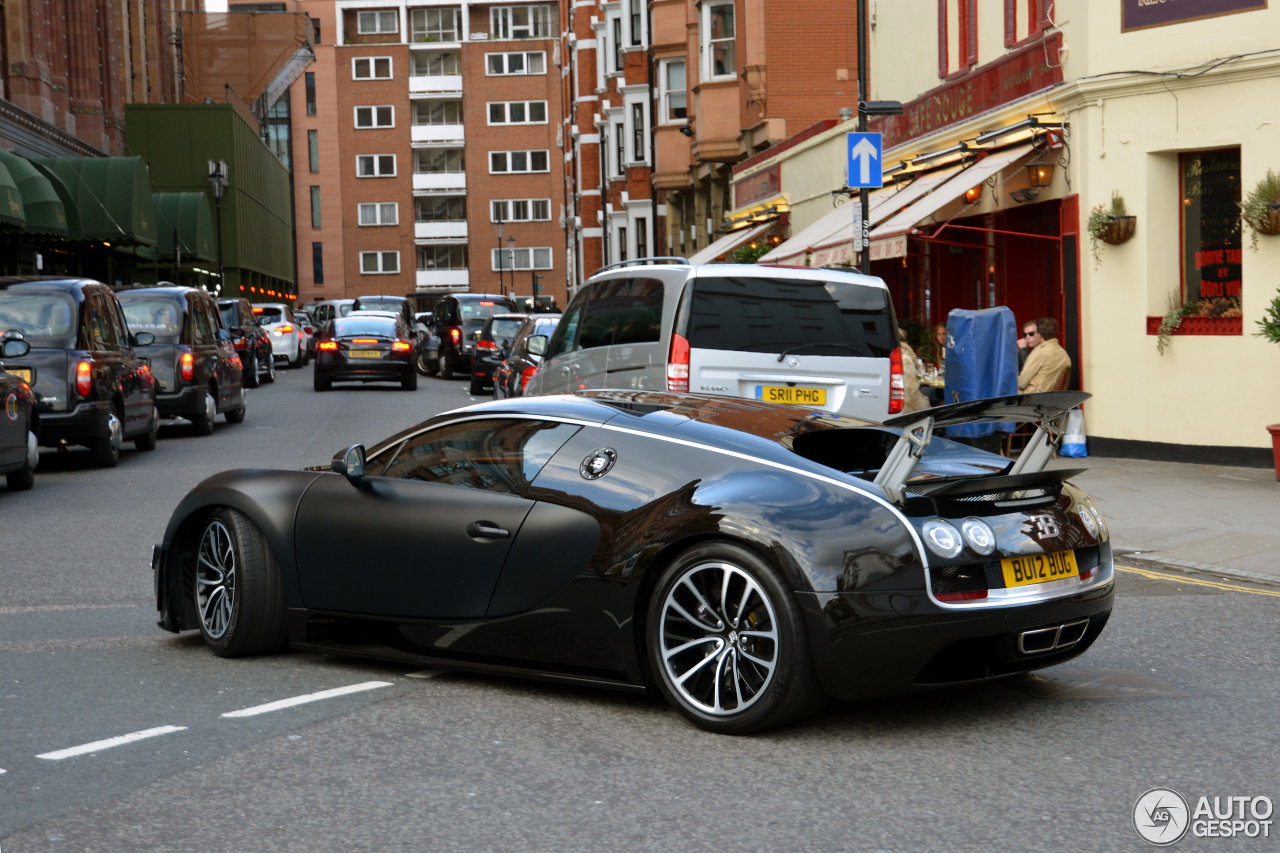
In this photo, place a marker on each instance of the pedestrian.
(1046, 361)
(913, 400)
(937, 352)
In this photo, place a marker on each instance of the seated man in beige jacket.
(1046, 359)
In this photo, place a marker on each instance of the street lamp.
(218, 182)
(511, 252)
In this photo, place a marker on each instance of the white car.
(285, 332)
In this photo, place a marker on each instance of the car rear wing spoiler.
(1048, 411)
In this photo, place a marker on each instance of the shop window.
(1211, 247)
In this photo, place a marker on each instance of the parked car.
(513, 375)
(20, 421)
(251, 341)
(91, 387)
(620, 539)
(458, 320)
(492, 346)
(822, 339)
(328, 309)
(285, 332)
(198, 374)
(308, 329)
(366, 346)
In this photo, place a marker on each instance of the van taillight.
(188, 367)
(526, 375)
(455, 335)
(84, 378)
(678, 364)
(897, 386)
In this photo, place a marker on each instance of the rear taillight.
(188, 367)
(455, 336)
(487, 345)
(284, 330)
(973, 595)
(84, 378)
(400, 346)
(525, 376)
(678, 364)
(327, 345)
(897, 386)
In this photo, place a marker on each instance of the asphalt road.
(1180, 691)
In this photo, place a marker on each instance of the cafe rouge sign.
(1007, 79)
(1141, 14)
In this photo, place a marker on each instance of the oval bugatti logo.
(11, 407)
(597, 463)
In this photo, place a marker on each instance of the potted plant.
(1269, 328)
(1172, 320)
(1260, 209)
(1110, 224)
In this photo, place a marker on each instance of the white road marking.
(99, 745)
(309, 697)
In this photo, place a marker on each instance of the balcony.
(435, 84)
(443, 279)
(436, 133)
(439, 230)
(440, 182)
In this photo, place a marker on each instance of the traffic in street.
(117, 734)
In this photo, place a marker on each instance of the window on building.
(369, 23)
(967, 33)
(436, 63)
(503, 162)
(313, 150)
(376, 166)
(384, 116)
(317, 262)
(379, 213)
(520, 210)
(315, 207)
(517, 112)
(315, 30)
(617, 44)
(961, 17)
(1211, 248)
(440, 208)
(1035, 15)
(437, 112)
(642, 237)
(673, 97)
(427, 25)
(639, 151)
(517, 22)
(374, 263)
(452, 256)
(521, 62)
(371, 68)
(637, 31)
(537, 258)
(619, 149)
(438, 160)
(717, 32)
(311, 93)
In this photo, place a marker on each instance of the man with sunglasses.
(1046, 360)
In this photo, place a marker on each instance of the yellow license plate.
(793, 396)
(364, 353)
(22, 373)
(1039, 568)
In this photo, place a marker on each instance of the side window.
(600, 318)
(200, 331)
(98, 322)
(640, 320)
(215, 321)
(122, 327)
(494, 455)
(565, 338)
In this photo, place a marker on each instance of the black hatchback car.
(513, 375)
(366, 346)
(198, 374)
(492, 345)
(458, 320)
(252, 342)
(20, 422)
(91, 387)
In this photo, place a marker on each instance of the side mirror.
(537, 345)
(15, 348)
(143, 339)
(349, 462)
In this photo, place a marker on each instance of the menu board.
(1211, 225)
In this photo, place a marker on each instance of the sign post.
(865, 173)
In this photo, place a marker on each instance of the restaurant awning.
(42, 207)
(728, 243)
(112, 196)
(840, 220)
(888, 240)
(186, 217)
(10, 200)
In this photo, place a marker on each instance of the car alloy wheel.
(269, 374)
(239, 596)
(216, 580)
(446, 372)
(147, 441)
(202, 421)
(251, 378)
(25, 477)
(106, 451)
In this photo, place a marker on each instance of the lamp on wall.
(1039, 174)
(972, 195)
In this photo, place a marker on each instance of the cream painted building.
(1177, 116)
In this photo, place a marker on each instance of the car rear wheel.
(239, 595)
(446, 370)
(296, 361)
(147, 441)
(251, 379)
(477, 387)
(322, 382)
(202, 421)
(106, 450)
(25, 477)
(269, 374)
(410, 381)
(425, 364)
(236, 416)
(726, 642)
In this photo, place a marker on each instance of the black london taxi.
(19, 421)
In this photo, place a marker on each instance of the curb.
(1191, 567)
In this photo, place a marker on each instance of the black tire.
(295, 363)
(270, 375)
(202, 421)
(761, 671)
(409, 381)
(106, 451)
(236, 416)
(239, 596)
(446, 369)
(251, 379)
(477, 387)
(322, 382)
(25, 477)
(433, 363)
(147, 441)
(424, 364)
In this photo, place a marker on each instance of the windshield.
(376, 304)
(230, 317)
(357, 325)
(41, 317)
(269, 315)
(505, 328)
(750, 314)
(473, 312)
(160, 316)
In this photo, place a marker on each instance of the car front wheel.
(446, 369)
(726, 642)
(239, 595)
(251, 379)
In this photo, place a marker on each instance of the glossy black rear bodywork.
(398, 569)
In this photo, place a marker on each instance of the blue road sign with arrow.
(864, 160)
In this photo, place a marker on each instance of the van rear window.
(752, 314)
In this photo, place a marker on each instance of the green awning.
(41, 203)
(64, 195)
(112, 197)
(10, 200)
(187, 217)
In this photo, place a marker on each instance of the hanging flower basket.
(1271, 224)
(1119, 230)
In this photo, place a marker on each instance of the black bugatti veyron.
(748, 560)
